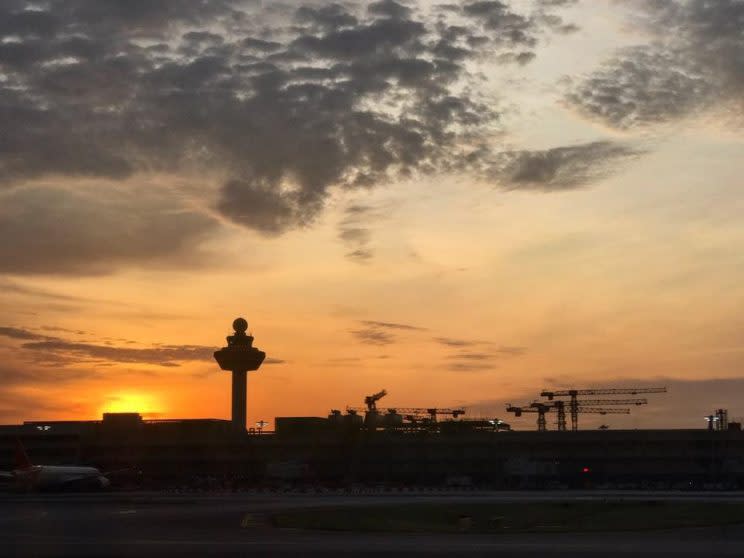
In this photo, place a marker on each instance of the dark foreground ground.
(240, 525)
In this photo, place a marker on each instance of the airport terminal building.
(317, 451)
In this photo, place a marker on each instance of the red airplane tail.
(22, 461)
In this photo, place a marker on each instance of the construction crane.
(542, 408)
(601, 391)
(538, 408)
(371, 400)
(574, 394)
(432, 412)
(600, 402)
(560, 406)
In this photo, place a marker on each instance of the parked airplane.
(27, 476)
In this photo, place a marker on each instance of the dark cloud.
(286, 103)
(165, 355)
(329, 17)
(55, 230)
(260, 44)
(559, 168)
(18, 333)
(45, 349)
(271, 360)
(475, 355)
(355, 233)
(389, 8)
(376, 332)
(505, 26)
(512, 351)
(472, 361)
(451, 342)
(694, 61)
(373, 336)
(12, 287)
(469, 366)
(392, 325)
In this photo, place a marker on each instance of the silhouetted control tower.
(239, 357)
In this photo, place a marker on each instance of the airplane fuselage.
(50, 477)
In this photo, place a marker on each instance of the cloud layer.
(559, 168)
(284, 101)
(694, 61)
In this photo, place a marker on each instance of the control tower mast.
(239, 357)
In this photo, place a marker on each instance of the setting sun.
(133, 402)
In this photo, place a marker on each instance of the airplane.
(28, 477)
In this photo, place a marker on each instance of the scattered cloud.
(282, 104)
(271, 360)
(373, 336)
(19, 333)
(693, 61)
(512, 351)
(452, 342)
(392, 325)
(380, 333)
(165, 355)
(559, 168)
(354, 231)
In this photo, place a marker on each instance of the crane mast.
(574, 403)
(542, 408)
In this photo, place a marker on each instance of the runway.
(152, 524)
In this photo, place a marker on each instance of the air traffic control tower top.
(239, 357)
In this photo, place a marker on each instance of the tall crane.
(600, 402)
(542, 408)
(538, 408)
(589, 403)
(371, 400)
(574, 394)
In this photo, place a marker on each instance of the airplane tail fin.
(21, 457)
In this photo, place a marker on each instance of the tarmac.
(184, 525)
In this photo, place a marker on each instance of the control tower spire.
(239, 357)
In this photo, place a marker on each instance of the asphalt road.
(145, 524)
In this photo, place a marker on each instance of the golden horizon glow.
(145, 404)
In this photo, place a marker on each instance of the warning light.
(586, 470)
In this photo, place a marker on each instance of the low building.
(323, 451)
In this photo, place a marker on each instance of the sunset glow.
(132, 402)
(463, 205)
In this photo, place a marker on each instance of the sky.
(463, 203)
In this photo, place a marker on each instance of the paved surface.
(148, 524)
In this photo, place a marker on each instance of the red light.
(586, 470)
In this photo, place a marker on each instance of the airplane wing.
(81, 481)
(6, 475)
